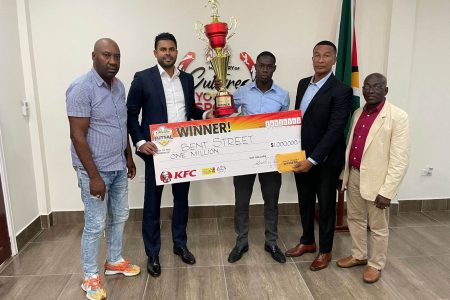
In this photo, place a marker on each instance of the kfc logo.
(185, 174)
(165, 176)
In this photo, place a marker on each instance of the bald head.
(374, 89)
(378, 77)
(101, 42)
(106, 59)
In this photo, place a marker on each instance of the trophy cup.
(218, 55)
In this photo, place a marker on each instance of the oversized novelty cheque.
(222, 147)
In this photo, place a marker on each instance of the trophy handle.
(200, 29)
(232, 29)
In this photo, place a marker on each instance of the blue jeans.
(115, 206)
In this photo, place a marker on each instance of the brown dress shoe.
(301, 249)
(371, 274)
(321, 261)
(350, 262)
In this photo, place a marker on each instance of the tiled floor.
(418, 265)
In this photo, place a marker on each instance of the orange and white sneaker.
(122, 267)
(93, 288)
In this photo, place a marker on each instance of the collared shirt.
(175, 102)
(311, 91)
(90, 97)
(176, 106)
(360, 134)
(253, 101)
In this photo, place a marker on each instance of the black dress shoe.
(186, 256)
(276, 253)
(237, 253)
(153, 266)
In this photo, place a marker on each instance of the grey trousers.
(243, 188)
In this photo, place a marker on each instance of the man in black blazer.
(326, 105)
(161, 94)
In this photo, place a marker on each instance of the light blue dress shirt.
(311, 91)
(253, 101)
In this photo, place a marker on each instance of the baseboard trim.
(29, 233)
(424, 205)
(219, 211)
(195, 212)
(227, 211)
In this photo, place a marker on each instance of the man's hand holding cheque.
(148, 148)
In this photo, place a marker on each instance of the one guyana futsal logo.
(163, 135)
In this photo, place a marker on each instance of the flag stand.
(341, 214)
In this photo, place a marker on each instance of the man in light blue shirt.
(261, 96)
(253, 100)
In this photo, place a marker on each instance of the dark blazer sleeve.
(339, 115)
(134, 106)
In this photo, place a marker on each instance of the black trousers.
(243, 188)
(151, 218)
(320, 183)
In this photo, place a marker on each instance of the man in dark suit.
(163, 94)
(325, 103)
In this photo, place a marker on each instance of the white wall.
(429, 102)
(14, 126)
(63, 33)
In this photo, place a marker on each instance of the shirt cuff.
(139, 144)
(312, 161)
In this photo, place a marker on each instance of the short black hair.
(165, 36)
(326, 43)
(266, 53)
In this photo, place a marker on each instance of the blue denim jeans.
(115, 206)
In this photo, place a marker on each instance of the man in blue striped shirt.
(102, 158)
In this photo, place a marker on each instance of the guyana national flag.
(347, 72)
(347, 60)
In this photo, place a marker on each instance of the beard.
(167, 63)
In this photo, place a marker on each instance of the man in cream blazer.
(377, 157)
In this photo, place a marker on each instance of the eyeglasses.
(376, 88)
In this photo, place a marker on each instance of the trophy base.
(224, 112)
(224, 105)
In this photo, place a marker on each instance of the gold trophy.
(217, 34)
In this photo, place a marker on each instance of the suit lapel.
(328, 85)
(379, 121)
(159, 87)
